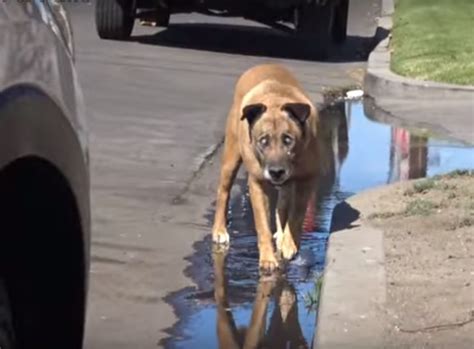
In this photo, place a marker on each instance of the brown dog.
(272, 127)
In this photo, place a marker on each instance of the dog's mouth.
(278, 183)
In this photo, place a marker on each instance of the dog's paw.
(288, 248)
(220, 249)
(268, 263)
(220, 237)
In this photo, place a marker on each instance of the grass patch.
(448, 187)
(311, 299)
(420, 207)
(424, 185)
(420, 187)
(434, 40)
(461, 173)
(454, 174)
(381, 215)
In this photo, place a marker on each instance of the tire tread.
(114, 19)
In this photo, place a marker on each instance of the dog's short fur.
(272, 128)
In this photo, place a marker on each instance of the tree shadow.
(255, 41)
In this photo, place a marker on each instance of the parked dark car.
(317, 23)
(44, 180)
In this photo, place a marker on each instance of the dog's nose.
(276, 173)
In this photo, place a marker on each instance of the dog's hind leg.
(231, 161)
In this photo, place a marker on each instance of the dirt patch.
(429, 250)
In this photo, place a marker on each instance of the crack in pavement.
(205, 159)
(441, 327)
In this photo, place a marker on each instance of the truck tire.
(114, 19)
(163, 17)
(314, 24)
(6, 324)
(341, 15)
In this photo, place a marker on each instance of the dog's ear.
(252, 112)
(298, 111)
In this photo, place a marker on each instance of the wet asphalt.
(157, 106)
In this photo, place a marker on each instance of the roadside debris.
(354, 94)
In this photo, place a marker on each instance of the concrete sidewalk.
(399, 270)
(353, 293)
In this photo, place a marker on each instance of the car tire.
(314, 25)
(163, 17)
(6, 324)
(339, 32)
(114, 19)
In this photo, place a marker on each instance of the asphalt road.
(157, 106)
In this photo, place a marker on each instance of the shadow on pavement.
(255, 41)
(343, 216)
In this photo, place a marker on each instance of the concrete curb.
(353, 293)
(380, 81)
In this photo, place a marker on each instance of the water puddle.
(230, 308)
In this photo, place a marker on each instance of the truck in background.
(318, 23)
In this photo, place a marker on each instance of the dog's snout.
(277, 173)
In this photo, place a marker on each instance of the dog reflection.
(284, 330)
(334, 130)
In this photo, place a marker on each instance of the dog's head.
(277, 133)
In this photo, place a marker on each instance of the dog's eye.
(263, 141)
(287, 140)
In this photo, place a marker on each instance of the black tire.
(341, 14)
(6, 324)
(114, 19)
(314, 26)
(163, 17)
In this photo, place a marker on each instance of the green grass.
(461, 173)
(420, 207)
(434, 40)
(381, 215)
(455, 174)
(420, 187)
(311, 298)
(424, 185)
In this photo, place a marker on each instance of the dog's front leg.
(260, 194)
(285, 195)
(256, 330)
(226, 328)
(291, 235)
(231, 161)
